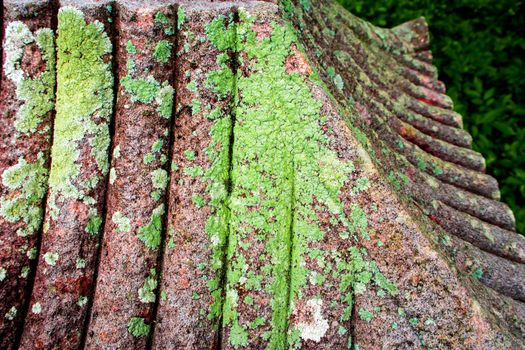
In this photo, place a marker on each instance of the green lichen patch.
(365, 315)
(150, 234)
(137, 327)
(94, 223)
(3, 273)
(147, 291)
(149, 90)
(36, 308)
(11, 314)
(181, 16)
(27, 183)
(84, 106)
(37, 93)
(51, 258)
(163, 51)
(283, 174)
(141, 90)
(123, 223)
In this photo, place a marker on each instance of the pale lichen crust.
(37, 93)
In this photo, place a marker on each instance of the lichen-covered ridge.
(242, 175)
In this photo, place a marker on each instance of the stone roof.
(187, 175)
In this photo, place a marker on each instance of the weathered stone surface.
(27, 96)
(74, 209)
(269, 175)
(197, 223)
(128, 274)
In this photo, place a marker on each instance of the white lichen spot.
(311, 324)
(11, 314)
(3, 274)
(37, 308)
(81, 263)
(51, 258)
(82, 301)
(112, 176)
(116, 152)
(123, 223)
(17, 37)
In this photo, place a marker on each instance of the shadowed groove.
(234, 60)
(290, 249)
(171, 139)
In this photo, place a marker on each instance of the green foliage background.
(478, 47)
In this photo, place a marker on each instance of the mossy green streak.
(84, 104)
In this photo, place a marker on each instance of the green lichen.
(159, 179)
(11, 314)
(82, 301)
(37, 93)
(194, 171)
(148, 158)
(93, 225)
(147, 291)
(150, 234)
(123, 223)
(137, 327)
(163, 51)
(149, 90)
(84, 106)
(141, 90)
(195, 106)
(280, 164)
(130, 47)
(3, 273)
(164, 99)
(189, 154)
(198, 200)
(181, 17)
(36, 308)
(51, 258)
(24, 272)
(162, 19)
(80, 263)
(27, 185)
(365, 315)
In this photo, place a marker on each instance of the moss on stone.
(281, 163)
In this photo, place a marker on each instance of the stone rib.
(128, 274)
(27, 96)
(500, 274)
(198, 218)
(77, 179)
(458, 137)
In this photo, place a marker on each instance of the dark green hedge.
(478, 47)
